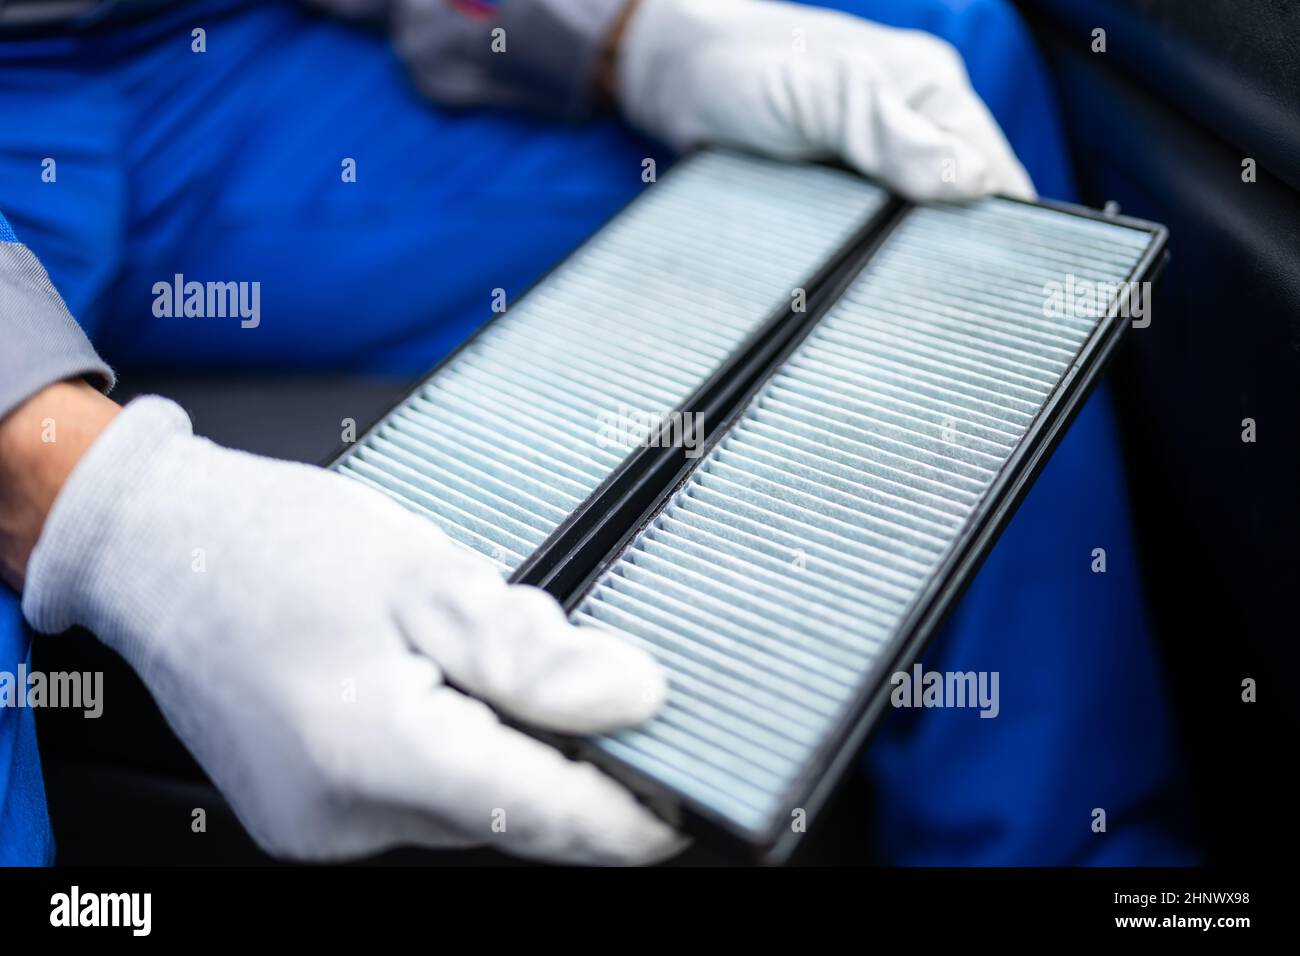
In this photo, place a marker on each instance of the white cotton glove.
(295, 628)
(805, 83)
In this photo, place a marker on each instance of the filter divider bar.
(571, 557)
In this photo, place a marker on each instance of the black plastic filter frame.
(571, 559)
(825, 773)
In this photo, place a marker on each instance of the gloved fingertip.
(644, 684)
(921, 186)
(987, 174)
(655, 842)
(614, 829)
(943, 171)
(599, 682)
(641, 839)
(1017, 185)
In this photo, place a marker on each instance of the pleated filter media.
(862, 462)
(501, 443)
(776, 577)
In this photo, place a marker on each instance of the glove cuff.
(657, 34)
(74, 574)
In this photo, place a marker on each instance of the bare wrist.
(41, 441)
(607, 69)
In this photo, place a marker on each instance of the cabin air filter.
(862, 454)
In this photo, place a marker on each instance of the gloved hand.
(801, 83)
(295, 628)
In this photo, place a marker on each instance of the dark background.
(1160, 123)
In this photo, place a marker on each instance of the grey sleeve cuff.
(532, 54)
(40, 342)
